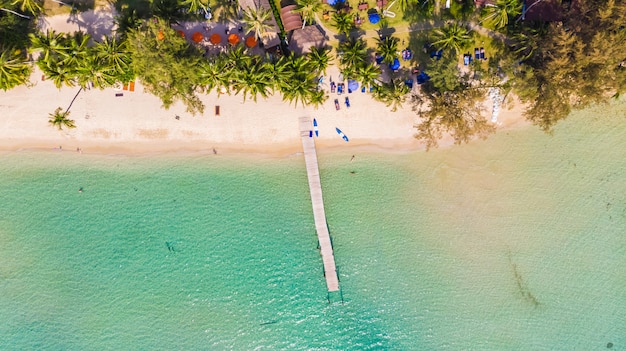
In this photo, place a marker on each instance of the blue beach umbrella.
(374, 17)
(331, 2)
(395, 65)
(353, 85)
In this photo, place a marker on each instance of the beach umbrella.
(250, 42)
(353, 85)
(181, 33)
(233, 39)
(395, 65)
(215, 39)
(374, 18)
(331, 2)
(197, 37)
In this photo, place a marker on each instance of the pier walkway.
(315, 185)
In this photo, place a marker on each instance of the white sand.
(136, 122)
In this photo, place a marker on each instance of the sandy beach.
(136, 122)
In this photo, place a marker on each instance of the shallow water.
(514, 243)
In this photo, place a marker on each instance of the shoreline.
(136, 123)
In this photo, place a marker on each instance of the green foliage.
(388, 48)
(60, 119)
(34, 7)
(452, 37)
(343, 23)
(367, 75)
(455, 113)
(258, 22)
(308, 9)
(392, 94)
(319, 58)
(498, 15)
(166, 64)
(574, 66)
(13, 70)
(352, 56)
(444, 75)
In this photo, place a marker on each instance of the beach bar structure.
(315, 186)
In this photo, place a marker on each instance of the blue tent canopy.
(353, 85)
(395, 65)
(422, 78)
(373, 17)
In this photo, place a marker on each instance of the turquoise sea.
(514, 243)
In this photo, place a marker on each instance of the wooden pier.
(315, 185)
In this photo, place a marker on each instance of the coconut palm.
(343, 23)
(302, 90)
(9, 8)
(278, 71)
(258, 21)
(388, 48)
(392, 93)
(114, 54)
(13, 70)
(367, 74)
(237, 58)
(253, 80)
(60, 119)
(32, 6)
(77, 51)
(497, 15)
(50, 44)
(59, 74)
(354, 52)
(213, 74)
(308, 9)
(453, 37)
(319, 59)
(194, 5)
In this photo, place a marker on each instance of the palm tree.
(343, 23)
(367, 74)
(453, 37)
(354, 52)
(114, 54)
(13, 70)
(7, 7)
(77, 51)
(308, 9)
(388, 48)
(213, 74)
(58, 73)
(319, 59)
(254, 81)
(497, 15)
(59, 119)
(33, 6)
(392, 93)
(258, 21)
(194, 5)
(51, 44)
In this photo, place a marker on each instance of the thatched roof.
(270, 39)
(302, 39)
(291, 19)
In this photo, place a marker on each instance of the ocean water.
(514, 243)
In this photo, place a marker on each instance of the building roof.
(291, 19)
(270, 39)
(303, 39)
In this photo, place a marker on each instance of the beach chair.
(337, 107)
(131, 86)
(476, 54)
(409, 83)
(347, 102)
(340, 89)
(333, 87)
(466, 59)
(217, 110)
(482, 54)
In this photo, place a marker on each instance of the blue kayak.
(341, 134)
(317, 132)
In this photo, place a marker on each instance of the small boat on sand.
(341, 134)
(317, 132)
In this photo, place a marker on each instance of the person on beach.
(352, 158)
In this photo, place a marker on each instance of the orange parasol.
(233, 39)
(197, 37)
(250, 42)
(160, 35)
(215, 39)
(181, 33)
